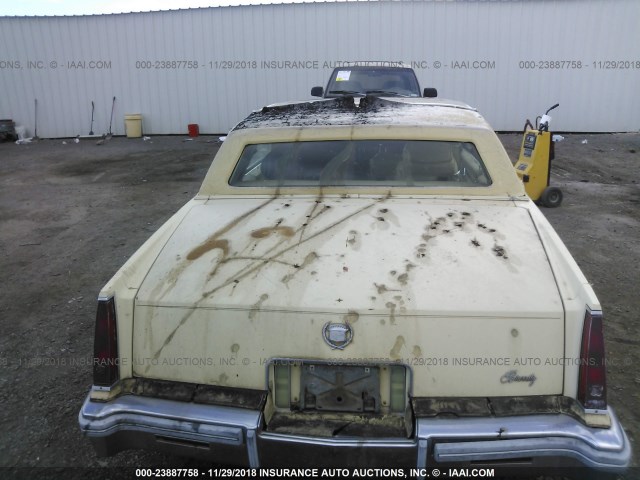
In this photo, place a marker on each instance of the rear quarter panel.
(575, 291)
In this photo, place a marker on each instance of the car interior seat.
(383, 165)
(335, 171)
(427, 161)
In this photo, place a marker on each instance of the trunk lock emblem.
(337, 335)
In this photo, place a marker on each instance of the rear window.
(361, 163)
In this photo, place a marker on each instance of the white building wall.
(66, 62)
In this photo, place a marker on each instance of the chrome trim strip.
(593, 411)
(97, 388)
(524, 448)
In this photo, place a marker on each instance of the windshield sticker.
(343, 76)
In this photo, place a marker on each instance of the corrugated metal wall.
(584, 54)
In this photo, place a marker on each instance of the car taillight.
(592, 384)
(105, 346)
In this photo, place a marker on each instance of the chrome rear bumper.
(235, 436)
(535, 436)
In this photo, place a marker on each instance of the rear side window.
(399, 163)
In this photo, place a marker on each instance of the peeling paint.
(234, 348)
(417, 351)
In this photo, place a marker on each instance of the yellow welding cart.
(534, 163)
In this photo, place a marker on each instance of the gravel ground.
(71, 214)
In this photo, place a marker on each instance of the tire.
(551, 197)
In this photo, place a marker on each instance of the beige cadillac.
(356, 285)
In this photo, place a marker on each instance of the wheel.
(551, 197)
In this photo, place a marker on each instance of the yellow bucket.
(133, 125)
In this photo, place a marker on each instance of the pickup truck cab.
(372, 79)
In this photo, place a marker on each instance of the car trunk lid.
(460, 291)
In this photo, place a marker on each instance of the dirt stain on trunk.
(257, 306)
(394, 354)
(351, 317)
(210, 244)
(392, 312)
(310, 258)
(267, 231)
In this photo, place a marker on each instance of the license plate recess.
(340, 388)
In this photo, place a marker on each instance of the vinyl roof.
(368, 110)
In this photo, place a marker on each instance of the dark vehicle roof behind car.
(371, 80)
